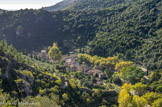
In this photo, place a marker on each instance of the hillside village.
(105, 53)
(71, 64)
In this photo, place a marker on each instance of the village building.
(44, 54)
(71, 63)
(96, 73)
(84, 68)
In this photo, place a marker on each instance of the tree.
(157, 103)
(139, 101)
(55, 53)
(158, 89)
(65, 97)
(122, 64)
(108, 73)
(139, 88)
(151, 97)
(124, 98)
(131, 74)
(116, 79)
(88, 100)
(155, 76)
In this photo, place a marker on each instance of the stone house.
(71, 63)
(96, 73)
(84, 68)
(44, 54)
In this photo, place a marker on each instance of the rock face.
(28, 78)
(6, 68)
(5, 72)
(27, 89)
(25, 82)
(24, 86)
(28, 82)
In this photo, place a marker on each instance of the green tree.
(157, 103)
(108, 73)
(151, 97)
(131, 74)
(139, 88)
(65, 97)
(124, 98)
(55, 53)
(139, 101)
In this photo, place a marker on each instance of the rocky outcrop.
(6, 67)
(27, 89)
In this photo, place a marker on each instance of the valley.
(82, 53)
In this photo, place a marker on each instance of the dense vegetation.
(59, 6)
(27, 80)
(114, 45)
(24, 79)
(123, 30)
(98, 4)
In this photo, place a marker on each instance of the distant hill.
(86, 4)
(59, 6)
(97, 4)
(1, 10)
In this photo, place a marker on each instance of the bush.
(117, 80)
(158, 89)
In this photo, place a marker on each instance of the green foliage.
(123, 64)
(28, 73)
(151, 97)
(42, 91)
(18, 80)
(126, 29)
(155, 76)
(88, 100)
(72, 83)
(157, 103)
(98, 4)
(104, 102)
(158, 89)
(46, 102)
(139, 88)
(131, 74)
(55, 53)
(138, 101)
(27, 77)
(108, 73)
(104, 63)
(116, 79)
(130, 29)
(58, 81)
(65, 97)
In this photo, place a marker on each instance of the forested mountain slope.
(104, 53)
(123, 30)
(1, 10)
(88, 4)
(24, 79)
(59, 6)
(98, 4)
